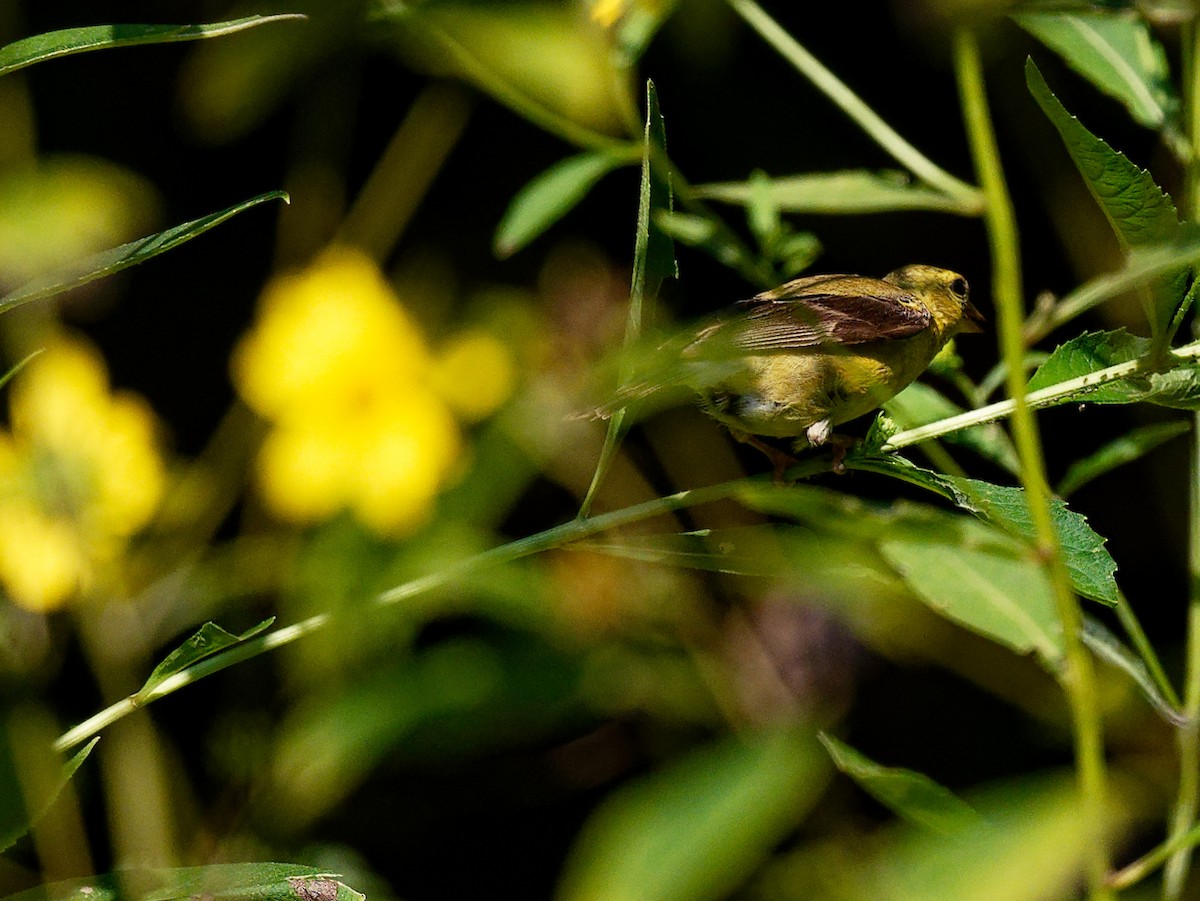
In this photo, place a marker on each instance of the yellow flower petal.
(303, 473)
(41, 564)
(474, 374)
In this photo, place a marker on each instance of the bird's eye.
(959, 287)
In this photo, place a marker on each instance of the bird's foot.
(780, 461)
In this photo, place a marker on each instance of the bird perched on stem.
(795, 361)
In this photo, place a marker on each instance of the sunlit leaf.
(697, 828)
(549, 197)
(913, 796)
(1116, 453)
(53, 44)
(851, 191)
(1177, 385)
(228, 882)
(1115, 51)
(1140, 212)
(110, 261)
(209, 640)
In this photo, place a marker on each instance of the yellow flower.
(80, 472)
(358, 416)
(475, 375)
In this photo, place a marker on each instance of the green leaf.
(977, 576)
(110, 261)
(549, 197)
(762, 212)
(1114, 50)
(53, 44)
(919, 404)
(1140, 212)
(910, 795)
(697, 828)
(221, 882)
(1091, 567)
(1177, 387)
(1108, 648)
(1125, 449)
(852, 191)
(16, 822)
(210, 639)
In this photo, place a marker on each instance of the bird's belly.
(781, 395)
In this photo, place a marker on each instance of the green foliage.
(236, 882)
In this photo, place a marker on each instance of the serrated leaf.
(1140, 212)
(111, 261)
(919, 404)
(851, 191)
(210, 639)
(696, 829)
(913, 796)
(1177, 387)
(51, 45)
(221, 882)
(1091, 567)
(1115, 51)
(549, 197)
(1125, 449)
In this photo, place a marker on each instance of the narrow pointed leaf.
(12, 824)
(1108, 648)
(110, 261)
(1125, 449)
(210, 639)
(1115, 51)
(913, 796)
(850, 191)
(549, 197)
(53, 44)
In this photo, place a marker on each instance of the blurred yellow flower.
(361, 411)
(80, 472)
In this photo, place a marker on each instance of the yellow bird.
(795, 361)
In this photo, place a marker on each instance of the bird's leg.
(779, 460)
(820, 433)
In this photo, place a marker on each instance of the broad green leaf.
(852, 191)
(209, 640)
(980, 578)
(1091, 567)
(110, 261)
(549, 197)
(1177, 387)
(1125, 449)
(16, 817)
(697, 828)
(1114, 50)
(221, 882)
(1140, 212)
(53, 44)
(919, 404)
(913, 796)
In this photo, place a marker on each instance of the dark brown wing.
(811, 320)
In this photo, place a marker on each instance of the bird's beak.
(973, 320)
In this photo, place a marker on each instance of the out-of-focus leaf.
(919, 404)
(1177, 387)
(1092, 568)
(1125, 449)
(982, 579)
(696, 829)
(53, 44)
(228, 882)
(110, 261)
(210, 639)
(1108, 648)
(1139, 210)
(16, 818)
(1030, 842)
(913, 796)
(549, 197)
(852, 191)
(1115, 51)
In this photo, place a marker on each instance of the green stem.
(1146, 864)
(854, 107)
(568, 532)
(1145, 650)
(1077, 675)
(1183, 816)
